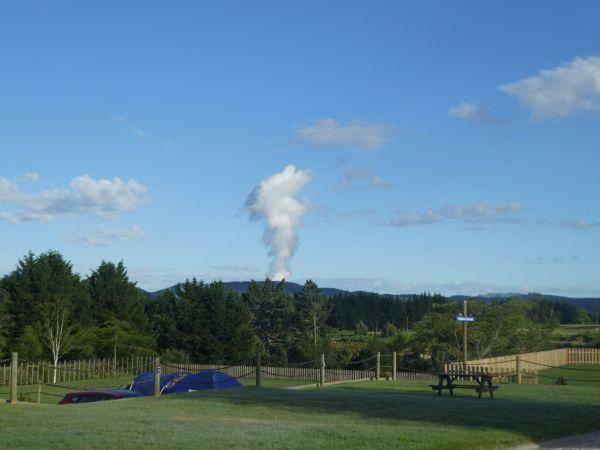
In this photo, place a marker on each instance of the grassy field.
(568, 331)
(580, 375)
(52, 394)
(357, 415)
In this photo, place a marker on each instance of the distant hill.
(242, 286)
(592, 304)
(589, 303)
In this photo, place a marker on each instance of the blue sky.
(442, 146)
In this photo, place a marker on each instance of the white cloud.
(273, 201)
(471, 112)
(357, 213)
(561, 91)
(236, 268)
(104, 236)
(85, 195)
(125, 124)
(555, 259)
(482, 212)
(410, 218)
(579, 224)
(387, 286)
(363, 178)
(355, 133)
(32, 177)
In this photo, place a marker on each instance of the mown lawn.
(573, 374)
(381, 414)
(53, 394)
(567, 331)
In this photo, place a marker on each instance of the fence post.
(258, 370)
(518, 365)
(394, 365)
(39, 393)
(378, 366)
(14, 374)
(156, 377)
(322, 379)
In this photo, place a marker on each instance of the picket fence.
(94, 368)
(529, 364)
(83, 369)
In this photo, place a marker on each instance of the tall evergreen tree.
(4, 321)
(312, 309)
(272, 313)
(213, 325)
(114, 296)
(45, 295)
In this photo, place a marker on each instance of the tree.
(312, 309)
(212, 324)
(271, 312)
(438, 334)
(4, 321)
(162, 312)
(390, 329)
(499, 329)
(29, 346)
(45, 293)
(361, 328)
(113, 338)
(583, 317)
(114, 296)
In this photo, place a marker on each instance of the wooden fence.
(67, 371)
(83, 369)
(583, 356)
(529, 364)
(292, 373)
(503, 367)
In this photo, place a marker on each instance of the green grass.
(568, 331)
(382, 414)
(53, 394)
(579, 375)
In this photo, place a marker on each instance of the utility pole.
(465, 335)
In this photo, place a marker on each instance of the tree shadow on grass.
(534, 418)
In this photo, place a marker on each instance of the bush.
(561, 380)
(24, 397)
(174, 355)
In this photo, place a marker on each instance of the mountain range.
(592, 304)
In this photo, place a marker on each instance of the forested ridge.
(47, 311)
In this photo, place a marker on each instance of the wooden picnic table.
(447, 381)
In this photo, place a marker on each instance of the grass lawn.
(52, 394)
(357, 415)
(567, 331)
(574, 375)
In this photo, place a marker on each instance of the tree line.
(47, 311)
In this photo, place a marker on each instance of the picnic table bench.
(447, 381)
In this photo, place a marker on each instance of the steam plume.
(272, 200)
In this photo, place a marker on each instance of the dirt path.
(582, 441)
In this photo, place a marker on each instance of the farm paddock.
(375, 414)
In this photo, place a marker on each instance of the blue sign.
(462, 318)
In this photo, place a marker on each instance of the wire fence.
(42, 379)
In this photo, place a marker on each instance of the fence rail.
(506, 368)
(529, 364)
(34, 372)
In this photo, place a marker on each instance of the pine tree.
(271, 311)
(312, 309)
(114, 296)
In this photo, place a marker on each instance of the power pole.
(465, 359)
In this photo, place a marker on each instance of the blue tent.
(183, 382)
